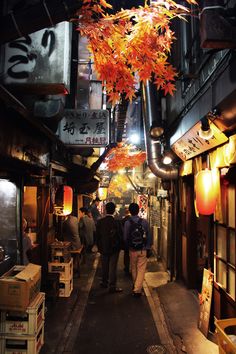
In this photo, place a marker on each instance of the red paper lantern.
(63, 200)
(206, 192)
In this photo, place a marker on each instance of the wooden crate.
(26, 323)
(226, 346)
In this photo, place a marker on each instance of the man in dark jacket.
(109, 236)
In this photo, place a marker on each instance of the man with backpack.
(138, 239)
(109, 241)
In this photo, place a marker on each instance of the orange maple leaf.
(131, 43)
(169, 88)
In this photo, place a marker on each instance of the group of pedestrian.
(111, 235)
(132, 235)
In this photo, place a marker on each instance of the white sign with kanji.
(85, 127)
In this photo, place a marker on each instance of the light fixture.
(205, 132)
(102, 193)
(206, 192)
(156, 130)
(167, 154)
(134, 138)
(63, 200)
(167, 158)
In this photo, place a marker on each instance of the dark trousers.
(109, 269)
(126, 260)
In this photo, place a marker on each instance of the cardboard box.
(19, 286)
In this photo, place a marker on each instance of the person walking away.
(109, 239)
(94, 210)
(70, 232)
(126, 248)
(86, 229)
(138, 239)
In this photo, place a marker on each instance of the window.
(225, 241)
(8, 225)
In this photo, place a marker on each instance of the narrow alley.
(93, 320)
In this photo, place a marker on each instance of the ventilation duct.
(153, 147)
(216, 31)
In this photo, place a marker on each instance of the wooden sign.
(205, 301)
(190, 144)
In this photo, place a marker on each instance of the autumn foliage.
(118, 185)
(124, 156)
(131, 45)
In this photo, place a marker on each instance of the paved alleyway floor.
(92, 320)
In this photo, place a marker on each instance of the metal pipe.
(153, 147)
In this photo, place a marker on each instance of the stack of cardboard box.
(22, 310)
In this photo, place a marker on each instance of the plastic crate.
(12, 344)
(65, 287)
(60, 249)
(65, 269)
(26, 323)
(61, 259)
(226, 345)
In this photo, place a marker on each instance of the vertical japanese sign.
(142, 201)
(85, 127)
(205, 301)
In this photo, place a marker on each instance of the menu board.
(205, 301)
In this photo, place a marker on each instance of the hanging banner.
(85, 127)
(142, 201)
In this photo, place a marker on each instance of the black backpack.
(137, 237)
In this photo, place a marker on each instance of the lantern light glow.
(102, 193)
(206, 192)
(63, 201)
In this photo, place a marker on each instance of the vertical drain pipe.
(153, 147)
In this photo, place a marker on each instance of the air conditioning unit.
(216, 31)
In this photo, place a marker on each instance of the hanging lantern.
(63, 201)
(206, 192)
(102, 193)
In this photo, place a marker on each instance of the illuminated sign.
(191, 145)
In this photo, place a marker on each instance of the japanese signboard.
(190, 144)
(40, 61)
(205, 301)
(85, 127)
